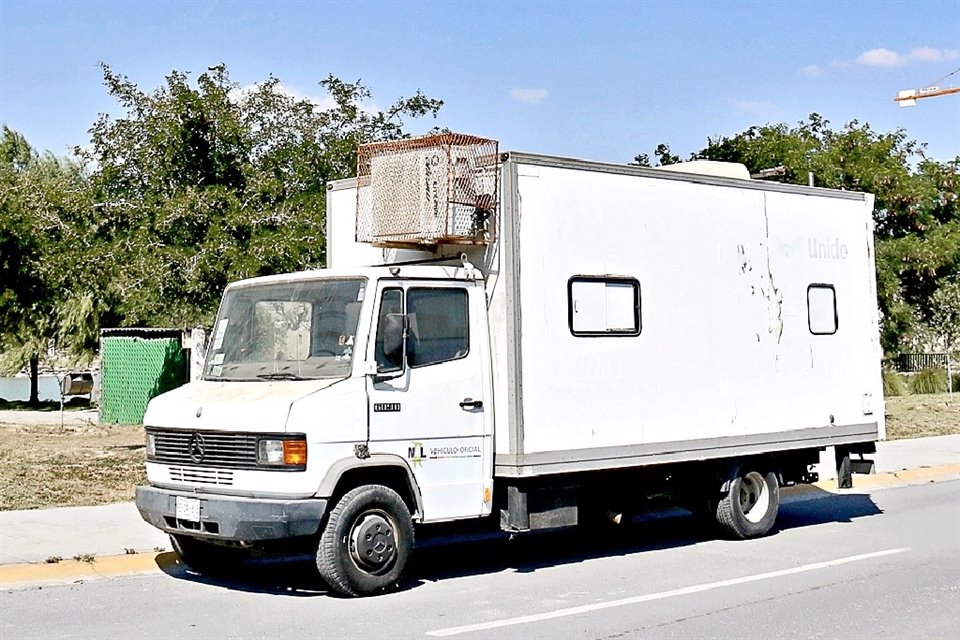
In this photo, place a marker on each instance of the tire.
(203, 556)
(366, 542)
(750, 507)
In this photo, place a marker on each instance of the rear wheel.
(750, 507)
(366, 543)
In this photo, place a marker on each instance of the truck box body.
(725, 358)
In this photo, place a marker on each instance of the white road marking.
(572, 611)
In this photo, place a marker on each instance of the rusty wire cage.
(431, 190)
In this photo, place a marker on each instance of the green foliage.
(910, 271)
(945, 314)
(894, 384)
(663, 154)
(916, 212)
(21, 286)
(195, 184)
(929, 381)
(43, 203)
(201, 183)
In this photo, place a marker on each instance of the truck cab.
(306, 394)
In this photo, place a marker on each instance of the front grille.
(205, 448)
(199, 475)
(214, 449)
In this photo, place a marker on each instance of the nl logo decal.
(415, 454)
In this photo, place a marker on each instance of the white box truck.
(534, 340)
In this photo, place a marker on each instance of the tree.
(916, 212)
(663, 154)
(41, 200)
(201, 183)
(945, 320)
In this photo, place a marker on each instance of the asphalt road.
(847, 566)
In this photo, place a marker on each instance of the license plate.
(188, 509)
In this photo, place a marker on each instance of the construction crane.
(909, 97)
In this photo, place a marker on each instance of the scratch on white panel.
(745, 265)
(775, 297)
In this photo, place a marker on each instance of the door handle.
(470, 402)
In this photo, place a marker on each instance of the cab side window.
(439, 330)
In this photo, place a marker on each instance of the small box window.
(822, 309)
(603, 306)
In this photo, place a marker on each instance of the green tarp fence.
(137, 365)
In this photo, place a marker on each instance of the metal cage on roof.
(431, 190)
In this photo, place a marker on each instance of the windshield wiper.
(280, 375)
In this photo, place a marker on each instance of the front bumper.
(232, 518)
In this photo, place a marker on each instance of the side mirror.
(394, 345)
(394, 335)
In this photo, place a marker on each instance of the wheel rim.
(754, 497)
(373, 544)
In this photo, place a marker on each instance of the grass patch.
(917, 416)
(894, 384)
(46, 466)
(929, 381)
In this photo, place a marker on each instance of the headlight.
(151, 445)
(286, 452)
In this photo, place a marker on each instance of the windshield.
(286, 331)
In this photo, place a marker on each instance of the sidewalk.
(37, 535)
(72, 418)
(897, 455)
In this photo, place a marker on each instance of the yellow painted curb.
(909, 476)
(99, 567)
(889, 479)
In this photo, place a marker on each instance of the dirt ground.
(84, 463)
(936, 414)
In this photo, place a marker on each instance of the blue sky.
(599, 80)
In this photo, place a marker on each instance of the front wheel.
(750, 507)
(366, 543)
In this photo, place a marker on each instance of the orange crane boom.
(909, 98)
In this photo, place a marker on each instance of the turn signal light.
(295, 452)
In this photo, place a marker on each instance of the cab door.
(430, 406)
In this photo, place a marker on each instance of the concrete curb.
(79, 570)
(75, 570)
(865, 483)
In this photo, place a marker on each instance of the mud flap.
(847, 466)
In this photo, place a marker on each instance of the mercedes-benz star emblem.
(196, 448)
